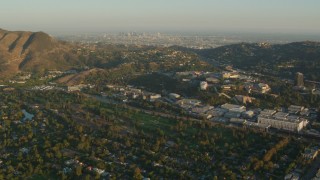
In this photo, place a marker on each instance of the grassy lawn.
(151, 123)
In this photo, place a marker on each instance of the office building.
(299, 79)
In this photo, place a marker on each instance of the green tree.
(137, 174)
(78, 170)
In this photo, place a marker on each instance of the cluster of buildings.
(226, 81)
(23, 78)
(43, 88)
(71, 88)
(299, 85)
(257, 88)
(311, 153)
(78, 87)
(294, 119)
(156, 39)
(282, 120)
(223, 113)
(73, 163)
(129, 92)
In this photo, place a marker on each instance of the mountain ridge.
(32, 51)
(37, 51)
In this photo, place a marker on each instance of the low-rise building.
(226, 87)
(203, 85)
(311, 153)
(212, 80)
(262, 127)
(188, 103)
(292, 176)
(295, 109)
(154, 97)
(237, 121)
(217, 112)
(75, 87)
(231, 114)
(247, 114)
(316, 91)
(261, 87)
(258, 88)
(281, 120)
(281, 115)
(232, 106)
(244, 99)
(230, 75)
(201, 111)
(174, 96)
(267, 112)
(220, 119)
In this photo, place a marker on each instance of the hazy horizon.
(291, 17)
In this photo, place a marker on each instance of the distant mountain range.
(37, 51)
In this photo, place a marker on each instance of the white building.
(154, 97)
(234, 107)
(212, 80)
(282, 120)
(262, 88)
(203, 85)
(174, 96)
(230, 75)
(188, 103)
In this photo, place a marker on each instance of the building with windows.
(293, 109)
(281, 120)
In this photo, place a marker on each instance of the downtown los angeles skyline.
(286, 16)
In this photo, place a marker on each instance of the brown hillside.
(33, 51)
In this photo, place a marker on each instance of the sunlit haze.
(273, 16)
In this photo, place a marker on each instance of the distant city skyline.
(204, 16)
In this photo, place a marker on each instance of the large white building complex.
(281, 120)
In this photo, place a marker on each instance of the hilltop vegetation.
(38, 52)
(280, 60)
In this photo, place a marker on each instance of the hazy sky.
(294, 16)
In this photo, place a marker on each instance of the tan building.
(283, 121)
(299, 79)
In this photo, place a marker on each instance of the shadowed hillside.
(280, 59)
(32, 51)
(37, 52)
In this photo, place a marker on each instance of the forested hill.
(281, 59)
